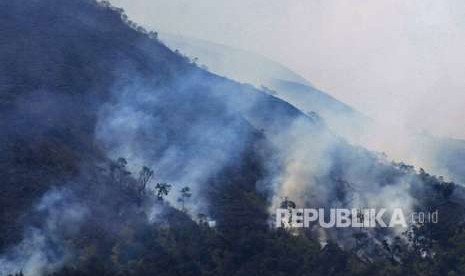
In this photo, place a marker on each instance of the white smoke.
(43, 248)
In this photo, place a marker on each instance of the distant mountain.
(273, 78)
(452, 155)
(340, 118)
(446, 155)
(441, 155)
(240, 65)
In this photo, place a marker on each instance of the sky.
(401, 62)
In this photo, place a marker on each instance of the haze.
(400, 62)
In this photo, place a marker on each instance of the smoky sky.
(400, 62)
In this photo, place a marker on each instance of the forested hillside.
(122, 157)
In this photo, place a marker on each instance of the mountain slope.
(275, 79)
(74, 82)
(233, 63)
(440, 155)
(98, 115)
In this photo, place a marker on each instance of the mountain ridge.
(104, 127)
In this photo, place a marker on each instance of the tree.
(118, 170)
(185, 195)
(145, 175)
(393, 249)
(162, 190)
(203, 219)
(361, 241)
(288, 204)
(447, 189)
(153, 35)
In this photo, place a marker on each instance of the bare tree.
(118, 170)
(185, 195)
(145, 176)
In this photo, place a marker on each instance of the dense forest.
(120, 156)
